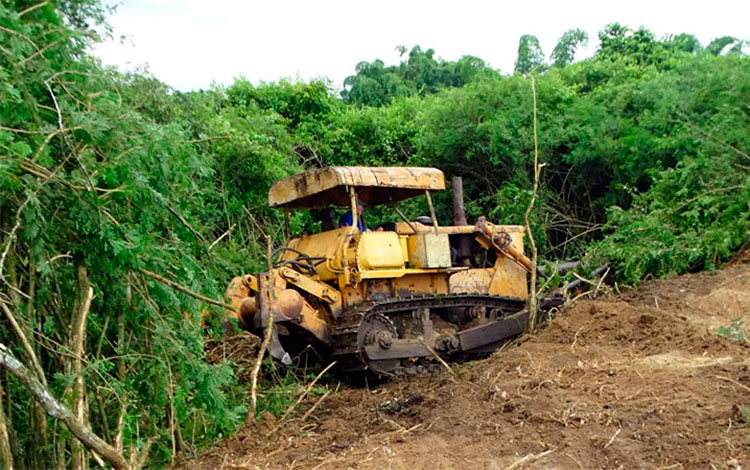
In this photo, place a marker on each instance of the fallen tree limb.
(529, 458)
(312, 408)
(732, 381)
(56, 410)
(185, 290)
(221, 237)
(435, 355)
(184, 222)
(309, 387)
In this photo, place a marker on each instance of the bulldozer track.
(348, 353)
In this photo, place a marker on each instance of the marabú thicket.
(105, 174)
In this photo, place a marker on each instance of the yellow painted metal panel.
(379, 250)
(471, 281)
(397, 273)
(509, 278)
(429, 250)
(321, 245)
(315, 321)
(319, 289)
(404, 248)
(236, 293)
(421, 284)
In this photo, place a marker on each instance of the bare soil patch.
(639, 380)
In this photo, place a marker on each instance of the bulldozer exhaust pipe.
(459, 214)
(463, 254)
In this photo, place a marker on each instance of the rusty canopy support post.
(432, 210)
(405, 219)
(353, 203)
(287, 231)
(354, 229)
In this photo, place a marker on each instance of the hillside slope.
(639, 380)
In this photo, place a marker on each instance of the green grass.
(744, 415)
(281, 391)
(734, 331)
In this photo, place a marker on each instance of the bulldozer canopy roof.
(374, 185)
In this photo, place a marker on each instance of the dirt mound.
(640, 380)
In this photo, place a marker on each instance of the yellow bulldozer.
(393, 301)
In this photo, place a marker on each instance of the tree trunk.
(79, 459)
(37, 454)
(42, 452)
(121, 366)
(18, 456)
(532, 302)
(60, 450)
(57, 410)
(6, 457)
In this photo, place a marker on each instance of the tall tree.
(564, 52)
(687, 43)
(530, 56)
(612, 39)
(719, 45)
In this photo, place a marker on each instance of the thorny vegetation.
(106, 176)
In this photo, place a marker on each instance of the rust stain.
(301, 189)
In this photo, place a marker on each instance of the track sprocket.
(376, 328)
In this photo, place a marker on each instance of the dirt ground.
(636, 380)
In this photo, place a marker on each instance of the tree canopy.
(530, 56)
(421, 74)
(566, 47)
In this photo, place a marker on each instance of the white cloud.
(191, 43)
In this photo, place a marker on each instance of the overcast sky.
(190, 44)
